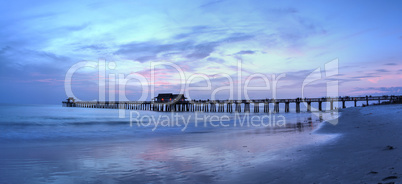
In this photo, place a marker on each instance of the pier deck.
(226, 105)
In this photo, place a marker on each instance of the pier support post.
(297, 106)
(219, 107)
(367, 101)
(246, 107)
(228, 107)
(286, 106)
(256, 107)
(276, 107)
(343, 104)
(355, 102)
(320, 105)
(238, 107)
(332, 104)
(309, 106)
(213, 107)
(266, 107)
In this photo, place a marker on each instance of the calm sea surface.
(54, 144)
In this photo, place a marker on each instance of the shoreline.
(367, 151)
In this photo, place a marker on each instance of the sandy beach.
(363, 147)
(367, 150)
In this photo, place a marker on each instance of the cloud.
(244, 52)
(14, 57)
(72, 28)
(145, 51)
(382, 70)
(195, 31)
(216, 60)
(391, 64)
(37, 30)
(188, 48)
(95, 47)
(29, 65)
(381, 90)
(32, 76)
(289, 28)
(295, 79)
(201, 51)
(211, 3)
(364, 76)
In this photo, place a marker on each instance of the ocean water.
(54, 144)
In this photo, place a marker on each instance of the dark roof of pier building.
(169, 97)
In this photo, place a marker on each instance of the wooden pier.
(227, 105)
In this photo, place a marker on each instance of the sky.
(204, 46)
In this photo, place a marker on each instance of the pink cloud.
(375, 80)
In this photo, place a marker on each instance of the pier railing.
(227, 105)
